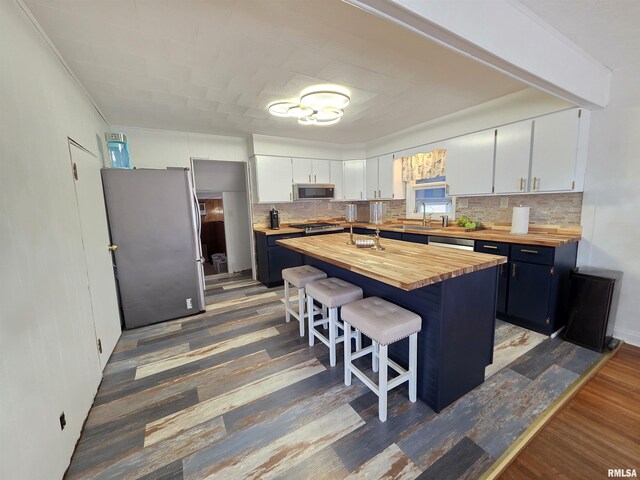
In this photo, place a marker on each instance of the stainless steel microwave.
(313, 191)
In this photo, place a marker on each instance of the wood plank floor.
(597, 430)
(236, 393)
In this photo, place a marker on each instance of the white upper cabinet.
(371, 178)
(302, 172)
(306, 170)
(321, 170)
(353, 180)
(513, 152)
(384, 178)
(469, 167)
(336, 178)
(555, 151)
(273, 179)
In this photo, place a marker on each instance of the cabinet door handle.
(379, 193)
(290, 196)
(375, 194)
(514, 270)
(524, 250)
(521, 184)
(492, 247)
(535, 182)
(501, 269)
(309, 178)
(314, 178)
(360, 194)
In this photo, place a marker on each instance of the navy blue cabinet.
(391, 235)
(415, 238)
(363, 231)
(273, 258)
(498, 248)
(530, 293)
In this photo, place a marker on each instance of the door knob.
(112, 248)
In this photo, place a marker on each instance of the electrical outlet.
(504, 202)
(63, 421)
(189, 304)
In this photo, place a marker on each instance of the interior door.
(95, 239)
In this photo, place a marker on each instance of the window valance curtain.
(424, 165)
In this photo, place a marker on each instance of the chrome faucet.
(424, 212)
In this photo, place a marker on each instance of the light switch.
(504, 202)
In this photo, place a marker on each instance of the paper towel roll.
(520, 220)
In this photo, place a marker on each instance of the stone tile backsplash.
(321, 209)
(549, 208)
(546, 208)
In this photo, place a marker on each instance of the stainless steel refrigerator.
(154, 223)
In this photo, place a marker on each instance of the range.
(317, 228)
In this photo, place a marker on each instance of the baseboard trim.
(628, 336)
(523, 440)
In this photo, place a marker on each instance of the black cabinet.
(363, 231)
(273, 258)
(415, 238)
(498, 248)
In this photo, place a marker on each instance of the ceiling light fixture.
(318, 105)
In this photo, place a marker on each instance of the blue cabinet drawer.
(532, 254)
(272, 239)
(363, 231)
(497, 248)
(392, 235)
(415, 238)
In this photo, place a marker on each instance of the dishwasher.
(450, 242)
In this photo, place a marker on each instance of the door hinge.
(548, 321)
(552, 271)
(99, 346)
(573, 185)
(75, 171)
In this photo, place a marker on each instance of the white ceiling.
(212, 66)
(608, 30)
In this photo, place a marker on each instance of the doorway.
(221, 188)
(212, 235)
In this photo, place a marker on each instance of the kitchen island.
(453, 291)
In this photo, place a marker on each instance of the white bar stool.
(299, 277)
(384, 323)
(331, 293)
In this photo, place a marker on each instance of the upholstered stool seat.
(384, 323)
(331, 293)
(299, 277)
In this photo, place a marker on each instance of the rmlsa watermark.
(622, 473)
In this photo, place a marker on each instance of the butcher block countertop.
(404, 265)
(281, 231)
(490, 235)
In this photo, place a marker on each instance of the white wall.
(237, 231)
(214, 177)
(160, 148)
(611, 205)
(291, 147)
(48, 358)
(517, 106)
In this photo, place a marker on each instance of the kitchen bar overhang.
(453, 291)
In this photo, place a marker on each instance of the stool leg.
(310, 318)
(382, 385)
(287, 315)
(347, 353)
(358, 341)
(301, 310)
(413, 366)
(333, 312)
(374, 355)
(325, 314)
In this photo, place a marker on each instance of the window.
(429, 195)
